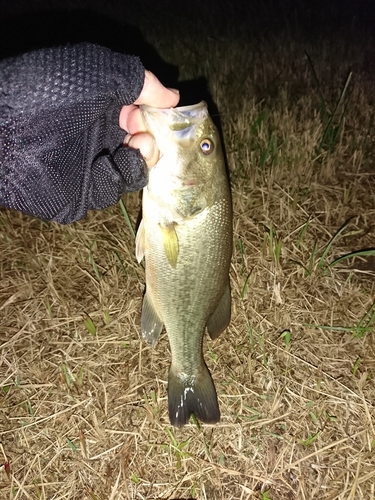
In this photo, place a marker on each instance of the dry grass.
(83, 411)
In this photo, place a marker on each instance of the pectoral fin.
(170, 243)
(140, 242)
(221, 317)
(151, 324)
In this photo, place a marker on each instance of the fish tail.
(187, 395)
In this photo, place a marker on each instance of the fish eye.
(207, 146)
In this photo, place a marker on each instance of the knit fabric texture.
(61, 147)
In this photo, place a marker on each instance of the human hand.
(153, 94)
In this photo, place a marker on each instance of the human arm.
(61, 138)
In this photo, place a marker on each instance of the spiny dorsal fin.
(170, 242)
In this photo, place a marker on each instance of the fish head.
(189, 172)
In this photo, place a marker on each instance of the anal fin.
(220, 318)
(151, 324)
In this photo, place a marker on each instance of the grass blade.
(330, 243)
(358, 253)
(127, 218)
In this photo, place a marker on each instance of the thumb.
(155, 94)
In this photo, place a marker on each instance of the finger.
(146, 145)
(131, 119)
(155, 94)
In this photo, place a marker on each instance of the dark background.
(122, 25)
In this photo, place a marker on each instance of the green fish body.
(186, 239)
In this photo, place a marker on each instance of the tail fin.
(187, 395)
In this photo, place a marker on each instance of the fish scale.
(178, 292)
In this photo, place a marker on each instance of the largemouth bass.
(186, 239)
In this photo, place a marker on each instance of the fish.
(185, 236)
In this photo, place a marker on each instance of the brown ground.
(83, 409)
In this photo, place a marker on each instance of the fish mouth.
(181, 109)
(182, 120)
(191, 107)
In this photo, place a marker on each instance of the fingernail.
(175, 91)
(127, 139)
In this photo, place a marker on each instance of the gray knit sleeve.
(61, 150)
